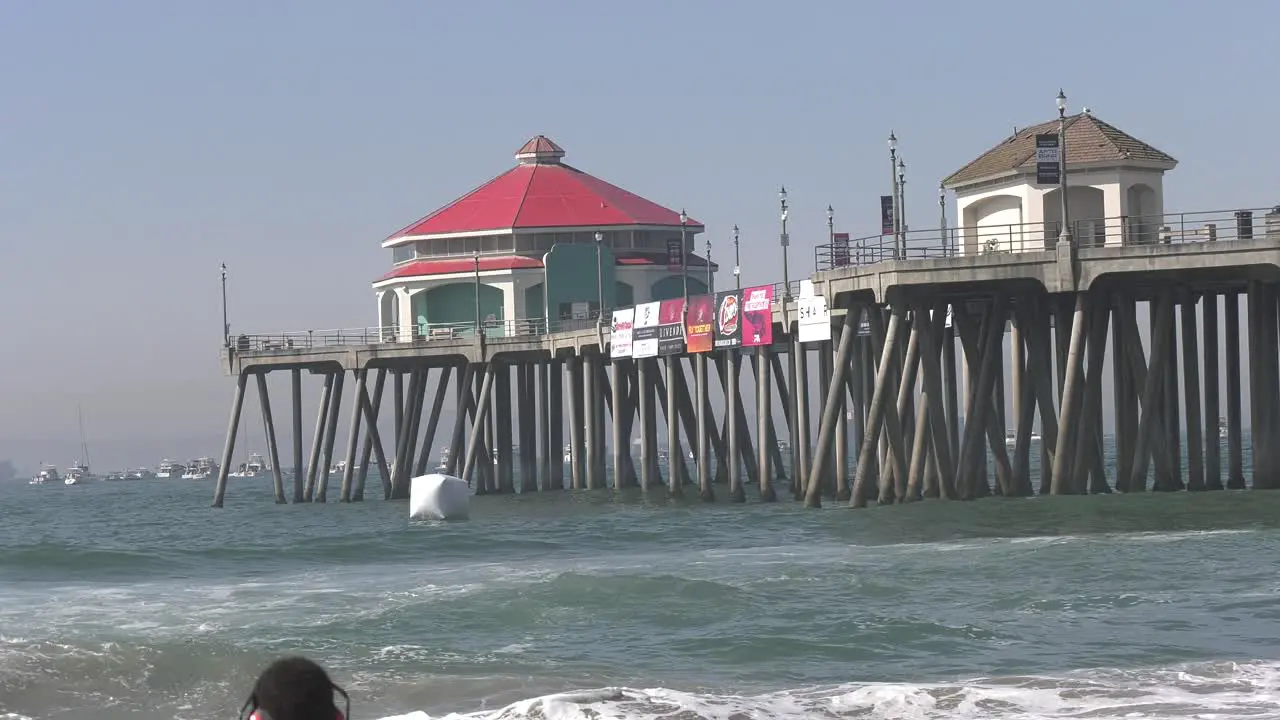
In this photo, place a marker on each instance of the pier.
(910, 365)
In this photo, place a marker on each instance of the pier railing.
(990, 239)
(431, 332)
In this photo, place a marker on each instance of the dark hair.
(294, 688)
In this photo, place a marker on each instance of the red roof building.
(494, 241)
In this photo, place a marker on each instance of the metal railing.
(1122, 231)
(397, 334)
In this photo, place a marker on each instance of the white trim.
(393, 282)
(406, 239)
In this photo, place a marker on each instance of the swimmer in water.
(295, 688)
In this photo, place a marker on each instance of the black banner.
(1048, 159)
(728, 325)
(886, 214)
(675, 254)
(840, 249)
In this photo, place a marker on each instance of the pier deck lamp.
(942, 216)
(737, 260)
(475, 257)
(893, 180)
(226, 327)
(599, 279)
(684, 256)
(902, 205)
(709, 264)
(1065, 234)
(785, 241)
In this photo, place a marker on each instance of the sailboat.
(79, 473)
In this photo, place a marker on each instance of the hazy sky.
(143, 142)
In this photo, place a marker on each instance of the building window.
(454, 246)
(403, 253)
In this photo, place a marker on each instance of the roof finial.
(540, 150)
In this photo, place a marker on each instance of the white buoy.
(439, 497)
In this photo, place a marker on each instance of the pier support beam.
(269, 425)
(675, 455)
(832, 408)
(555, 422)
(1212, 408)
(765, 439)
(317, 440)
(299, 471)
(330, 435)
(476, 442)
(1191, 395)
(373, 441)
(733, 413)
(883, 415)
(1235, 441)
(621, 443)
(353, 439)
(577, 423)
(705, 423)
(237, 403)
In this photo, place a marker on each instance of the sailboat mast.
(84, 444)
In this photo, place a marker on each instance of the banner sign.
(728, 331)
(671, 327)
(698, 324)
(675, 254)
(839, 249)
(620, 333)
(757, 316)
(813, 319)
(644, 333)
(1047, 159)
(886, 214)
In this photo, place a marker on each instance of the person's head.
(294, 688)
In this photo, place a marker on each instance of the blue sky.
(143, 142)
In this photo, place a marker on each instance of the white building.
(1115, 191)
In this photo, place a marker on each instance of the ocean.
(136, 600)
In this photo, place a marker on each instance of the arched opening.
(535, 302)
(389, 315)
(1085, 211)
(995, 224)
(672, 286)
(1142, 219)
(451, 310)
(626, 294)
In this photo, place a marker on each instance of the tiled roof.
(1089, 140)
(544, 193)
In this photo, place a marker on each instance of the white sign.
(813, 319)
(644, 338)
(620, 333)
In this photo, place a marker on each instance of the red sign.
(698, 325)
(757, 316)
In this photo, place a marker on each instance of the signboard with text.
(728, 328)
(620, 333)
(671, 327)
(839, 249)
(675, 254)
(1047, 159)
(699, 322)
(644, 333)
(757, 316)
(813, 320)
(886, 214)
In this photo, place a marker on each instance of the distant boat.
(200, 469)
(252, 468)
(140, 474)
(445, 458)
(169, 469)
(1011, 438)
(1222, 427)
(48, 473)
(77, 474)
(568, 453)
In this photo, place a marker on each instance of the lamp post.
(893, 178)
(709, 289)
(475, 258)
(684, 255)
(786, 242)
(1065, 234)
(831, 224)
(599, 280)
(942, 213)
(902, 205)
(226, 328)
(737, 260)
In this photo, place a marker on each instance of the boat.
(116, 476)
(568, 453)
(77, 474)
(1222, 427)
(48, 473)
(1011, 438)
(169, 469)
(338, 468)
(139, 474)
(200, 469)
(254, 467)
(445, 458)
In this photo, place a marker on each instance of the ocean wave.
(1221, 689)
